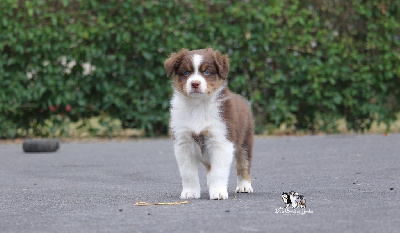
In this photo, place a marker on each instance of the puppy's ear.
(222, 63)
(174, 61)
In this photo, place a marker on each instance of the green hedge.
(301, 63)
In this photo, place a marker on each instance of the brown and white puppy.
(210, 124)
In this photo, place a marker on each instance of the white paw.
(190, 194)
(219, 194)
(244, 186)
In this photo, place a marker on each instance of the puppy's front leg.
(221, 155)
(188, 162)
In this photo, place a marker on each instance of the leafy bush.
(301, 63)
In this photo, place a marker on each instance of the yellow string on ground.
(141, 203)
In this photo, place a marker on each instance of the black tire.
(41, 145)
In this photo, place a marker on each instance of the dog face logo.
(294, 199)
(286, 199)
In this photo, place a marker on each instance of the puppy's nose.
(195, 84)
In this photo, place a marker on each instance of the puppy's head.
(199, 72)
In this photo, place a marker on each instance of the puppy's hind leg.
(243, 160)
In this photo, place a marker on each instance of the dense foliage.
(300, 63)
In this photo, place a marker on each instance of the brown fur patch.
(222, 63)
(174, 61)
(203, 67)
(200, 139)
(188, 68)
(180, 85)
(242, 165)
(208, 167)
(236, 113)
(215, 85)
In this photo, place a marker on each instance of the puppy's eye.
(206, 72)
(186, 73)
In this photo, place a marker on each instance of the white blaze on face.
(196, 78)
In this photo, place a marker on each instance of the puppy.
(209, 124)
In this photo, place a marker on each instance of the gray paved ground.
(92, 187)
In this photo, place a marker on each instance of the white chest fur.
(196, 115)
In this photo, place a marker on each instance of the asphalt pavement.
(350, 183)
